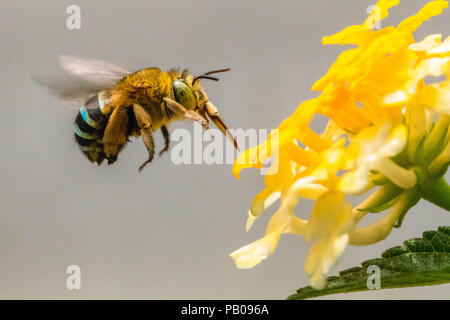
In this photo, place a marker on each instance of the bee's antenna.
(218, 71)
(206, 75)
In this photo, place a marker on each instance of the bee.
(115, 104)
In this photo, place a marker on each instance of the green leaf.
(418, 262)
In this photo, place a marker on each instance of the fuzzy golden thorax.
(146, 87)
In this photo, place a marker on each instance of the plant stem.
(437, 191)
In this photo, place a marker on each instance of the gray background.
(167, 232)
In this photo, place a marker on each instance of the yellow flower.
(329, 227)
(387, 134)
(306, 184)
(372, 149)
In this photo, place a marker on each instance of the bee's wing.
(85, 79)
(94, 71)
(72, 92)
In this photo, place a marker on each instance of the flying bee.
(115, 104)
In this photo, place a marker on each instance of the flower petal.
(252, 254)
(322, 256)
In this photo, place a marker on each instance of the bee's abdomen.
(89, 126)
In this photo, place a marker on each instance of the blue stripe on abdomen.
(85, 135)
(91, 122)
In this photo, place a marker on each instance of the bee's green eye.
(184, 94)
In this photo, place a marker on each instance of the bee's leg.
(115, 134)
(147, 137)
(145, 126)
(179, 109)
(214, 115)
(165, 133)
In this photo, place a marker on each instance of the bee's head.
(190, 93)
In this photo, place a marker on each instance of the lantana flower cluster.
(387, 100)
